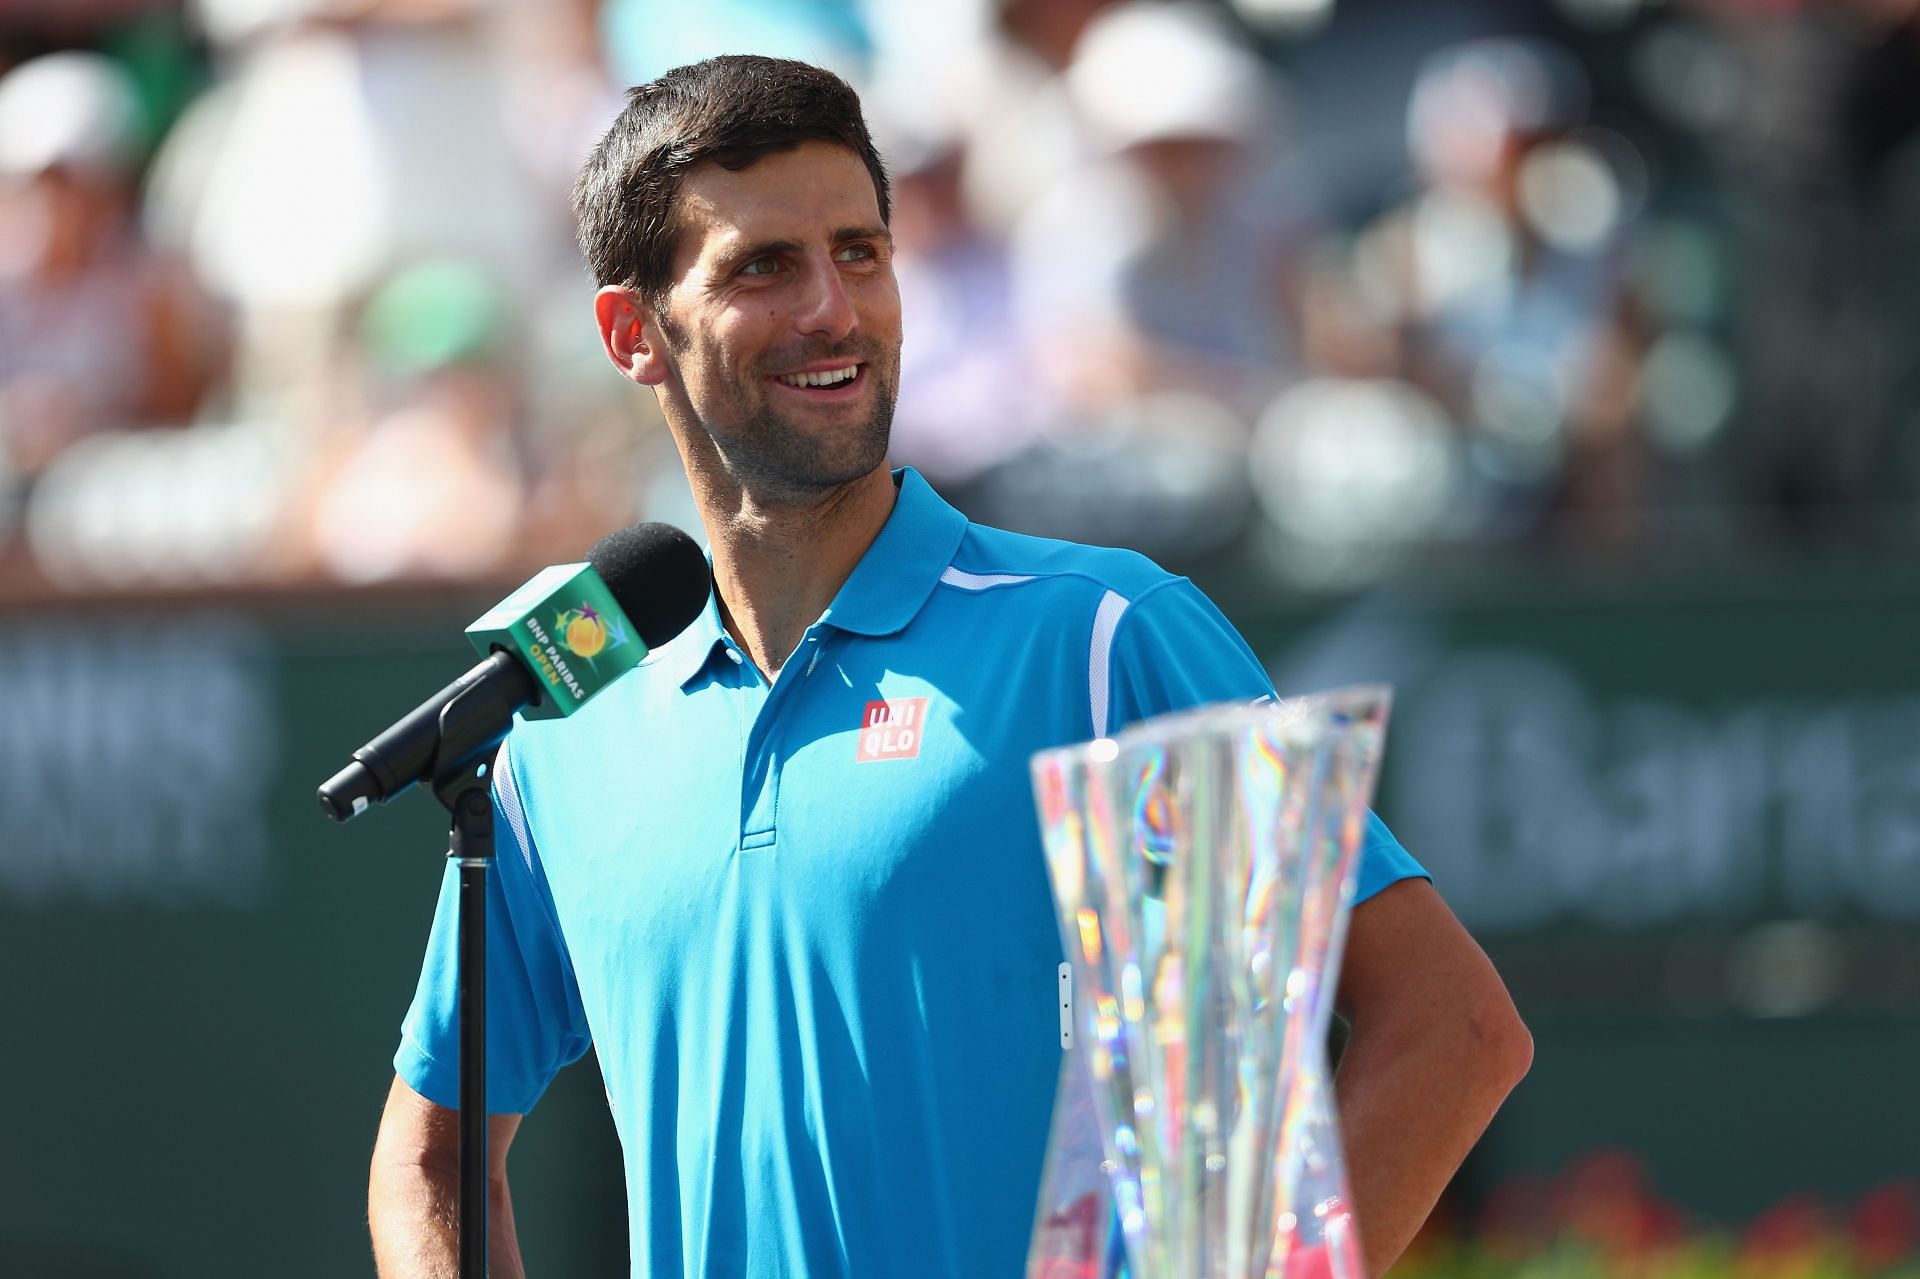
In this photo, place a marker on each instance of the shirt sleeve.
(535, 1021)
(1174, 650)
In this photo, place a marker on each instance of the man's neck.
(777, 566)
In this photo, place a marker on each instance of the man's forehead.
(812, 190)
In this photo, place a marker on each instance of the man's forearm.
(413, 1212)
(1410, 1112)
(1436, 1047)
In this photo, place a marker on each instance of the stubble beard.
(778, 460)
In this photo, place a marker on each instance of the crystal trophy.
(1203, 866)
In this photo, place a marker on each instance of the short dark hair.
(732, 110)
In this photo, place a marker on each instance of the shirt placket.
(765, 756)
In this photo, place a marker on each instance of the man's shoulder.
(993, 555)
(605, 728)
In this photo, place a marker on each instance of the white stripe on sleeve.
(980, 581)
(508, 794)
(1106, 621)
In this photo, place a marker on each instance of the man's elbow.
(1503, 1047)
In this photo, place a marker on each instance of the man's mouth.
(822, 378)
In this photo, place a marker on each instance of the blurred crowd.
(1329, 287)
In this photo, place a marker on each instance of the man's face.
(780, 325)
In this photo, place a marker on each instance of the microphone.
(545, 650)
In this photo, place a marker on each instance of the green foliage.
(1600, 1220)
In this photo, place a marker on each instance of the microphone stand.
(465, 789)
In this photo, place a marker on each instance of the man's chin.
(826, 478)
(802, 474)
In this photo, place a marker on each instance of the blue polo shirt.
(808, 923)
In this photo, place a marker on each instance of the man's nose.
(826, 308)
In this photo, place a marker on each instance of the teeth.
(829, 378)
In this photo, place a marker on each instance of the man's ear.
(630, 334)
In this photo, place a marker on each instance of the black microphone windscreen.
(658, 576)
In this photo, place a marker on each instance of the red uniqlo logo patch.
(891, 730)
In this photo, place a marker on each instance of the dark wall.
(1685, 822)
(1684, 819)
(204, 976)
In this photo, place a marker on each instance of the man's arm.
(1436, 1047)
(413, 1191)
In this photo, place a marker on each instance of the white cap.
(1468, 98)
(1152, 70)
(76, 110)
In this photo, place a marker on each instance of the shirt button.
(734, 654)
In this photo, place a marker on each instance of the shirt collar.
(883, 593)
(687, 654)
(899, 571)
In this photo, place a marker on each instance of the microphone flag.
(566, 627)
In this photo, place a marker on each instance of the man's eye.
(854, 253)
(760, 266)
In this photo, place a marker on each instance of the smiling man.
(785, 352)
(786, 876)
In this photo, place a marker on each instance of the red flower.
(1885, 1224)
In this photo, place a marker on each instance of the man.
(786, 875)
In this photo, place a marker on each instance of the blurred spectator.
(1013, 83)
(644, 38)
(1643, 275)
(557, 96)
(97, 329)
(430, 488)
(346, 139)
(1499, 285)
(968, 387)
(1797, 120)
(1164, 260)
(1153, 273)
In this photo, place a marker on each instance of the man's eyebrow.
(748, 252)
(846, 233)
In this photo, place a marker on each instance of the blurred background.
(1558, 362)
